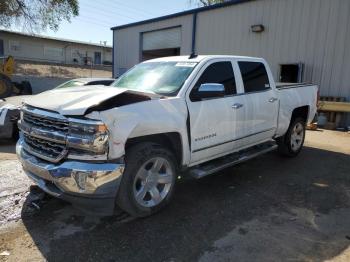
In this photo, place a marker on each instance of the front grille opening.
(47, 149)
(46, 122)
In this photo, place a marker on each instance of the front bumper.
(88, 186)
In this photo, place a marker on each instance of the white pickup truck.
(127, 144)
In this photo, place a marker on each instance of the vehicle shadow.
(8, 146)
(267, 209)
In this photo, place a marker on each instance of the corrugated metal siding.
(127, 41)
(315, 32)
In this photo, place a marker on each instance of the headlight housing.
(88, 135)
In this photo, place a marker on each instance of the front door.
(97, 58)
(211, 118)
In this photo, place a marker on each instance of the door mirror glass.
(210, 90)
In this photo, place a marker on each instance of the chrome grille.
(44, 149)
(45, 122)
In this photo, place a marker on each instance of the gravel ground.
(267, 209)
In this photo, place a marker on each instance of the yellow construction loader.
(7, 86)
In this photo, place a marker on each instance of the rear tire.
(148, 181)
(292, 142)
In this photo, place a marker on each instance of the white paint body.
(257, 121)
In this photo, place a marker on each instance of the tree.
(37, 15)
(208, 2)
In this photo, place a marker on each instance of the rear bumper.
(88, 186)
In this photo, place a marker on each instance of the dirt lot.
(267, 209)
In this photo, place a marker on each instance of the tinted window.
(218, 73)
(254, 76)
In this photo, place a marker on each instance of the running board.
(216, 165)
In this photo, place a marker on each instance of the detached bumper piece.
(88, 186)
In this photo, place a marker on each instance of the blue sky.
(98, 16)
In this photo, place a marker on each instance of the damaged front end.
(68, 158)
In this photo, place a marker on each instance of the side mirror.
(210, 90)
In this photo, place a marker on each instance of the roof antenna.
(192, 55)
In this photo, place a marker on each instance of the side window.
(254, 76)
(217, 73)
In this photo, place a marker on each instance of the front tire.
(148, 181)
(292, 142)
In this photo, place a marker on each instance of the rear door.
(260, 101)
(211, 118)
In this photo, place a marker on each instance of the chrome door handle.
(236, 106)
(272, 99)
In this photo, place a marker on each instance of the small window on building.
(2, 48)
(254, 76)
(14, 46)
(53, 52)
(217, 73)
(291, 73)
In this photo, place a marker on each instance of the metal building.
(46, 49)
(303, 40)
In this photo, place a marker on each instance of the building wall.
(47, 50)
(127, 42)
(314, 32)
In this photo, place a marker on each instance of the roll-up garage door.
(162, 39)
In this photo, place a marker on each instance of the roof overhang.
(188, 12)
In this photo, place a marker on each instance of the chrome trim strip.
(56, 116)
(42, 113)
(233, 140)
(90, 143)
(52, 136)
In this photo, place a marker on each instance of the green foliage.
(208, 2)
(37, 15)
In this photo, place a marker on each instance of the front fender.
(146, 118)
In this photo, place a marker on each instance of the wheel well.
(302, 112)
(171, 141)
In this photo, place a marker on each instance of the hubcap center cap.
(151, 179)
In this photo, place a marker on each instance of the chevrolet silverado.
(127, 144)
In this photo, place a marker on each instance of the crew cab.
(127, 144)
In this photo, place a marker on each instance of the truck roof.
(200, 58)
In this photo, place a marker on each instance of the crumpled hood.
(73, 100)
